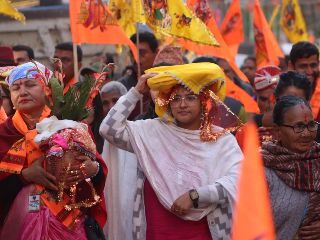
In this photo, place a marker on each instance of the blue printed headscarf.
(30, 70)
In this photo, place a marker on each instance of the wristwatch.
(194, 196)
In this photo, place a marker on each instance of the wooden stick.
(75, 62)
(138, 63)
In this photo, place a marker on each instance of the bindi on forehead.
(297, 114)
(304, 112)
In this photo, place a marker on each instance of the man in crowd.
(265, 83)
(64, 51)
(148, 49)
(228, 71)
(22, 54)
(304, 58)
(249, 68)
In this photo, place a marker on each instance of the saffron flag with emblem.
(128, 13)
(203, 11)
(253, 214)
(173, 17)
(7, 9)
(292, 22)
(92, 22)
(267, 48)
(232, 27)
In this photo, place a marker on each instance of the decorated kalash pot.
(62, 141)
(63, 138)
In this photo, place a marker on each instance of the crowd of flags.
(191, 24)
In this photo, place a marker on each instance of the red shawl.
(298, 171)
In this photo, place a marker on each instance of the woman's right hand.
(142, 86)
(35, 173)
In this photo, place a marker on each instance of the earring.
(202, 116)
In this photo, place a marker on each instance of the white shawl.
(174, 160)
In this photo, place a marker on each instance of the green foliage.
(57, 97)
(72, 105)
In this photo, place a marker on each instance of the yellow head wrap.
(195, 76)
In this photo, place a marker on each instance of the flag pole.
(75, 62)
(138, 62)
(138, 42)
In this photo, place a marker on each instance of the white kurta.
(119, 191)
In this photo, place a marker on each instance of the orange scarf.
(23, 149)
(27, 149)
(68, 85)
(315, 100)
(3, 115)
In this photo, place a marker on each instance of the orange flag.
(234, 91)
(267, 48)
(253, 214)
(92, 22)
(315, 101)
(233, 49)
(202, 9)
(232, 27)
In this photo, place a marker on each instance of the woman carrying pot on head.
(188, 167)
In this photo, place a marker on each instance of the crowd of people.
(167, 145)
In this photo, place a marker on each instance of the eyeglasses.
(300, 127)
(190, 99)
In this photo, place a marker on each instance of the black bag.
(93, 230)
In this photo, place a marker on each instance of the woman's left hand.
(88, 167)
(182, 204)
(311, 232)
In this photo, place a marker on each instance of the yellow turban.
(195, 76)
